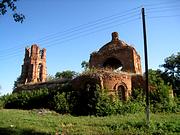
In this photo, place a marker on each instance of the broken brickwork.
(34, 66)
(117, 66)
(117, 55)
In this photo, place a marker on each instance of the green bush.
(137, 95)
(1, 103)
(160, 94)
(161, 101)
(104, 105)
(83, 101)
(132, 107)
(28, 99)
(165, 106)
(124, 107)
(60, 103)
(90, 101)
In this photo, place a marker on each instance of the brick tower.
(34, 67)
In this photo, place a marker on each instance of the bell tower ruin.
(34, 66)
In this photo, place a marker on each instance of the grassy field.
(48, 122)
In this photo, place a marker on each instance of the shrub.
(90, 101)
(160, 97)
(83, 102)
(96, 101)
(137, 95)
(104, 105)
(1, 103)
(128, 106)
(60, 103)
(161, 101)
(28, 99)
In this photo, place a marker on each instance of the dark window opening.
(121, 92)
(113, 63)
(41, 53)
(40, 72)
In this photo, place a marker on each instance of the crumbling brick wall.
(34, 66)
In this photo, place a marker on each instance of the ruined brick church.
(116, 66)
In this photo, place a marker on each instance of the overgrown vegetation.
(47, 122)
(27, 100)
(60, 103)
(92, 100)
(68, 74)
(171, 73)
(1, 103)
(161, 94)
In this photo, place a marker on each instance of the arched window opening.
(40, 72)
(113, 63)
(40, 53)
(121, 92)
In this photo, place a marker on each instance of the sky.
(71, 30)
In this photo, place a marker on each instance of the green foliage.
(95, 101)
(50, 77)
(129, 107)
(0, 92)
(11, 4)
(60, 103)
(17, 82)
(104, 105)
(171, 74)
(1, 102)
(28, 99)
(137, 95)
(160, 94)
(83, 101)
(42, 98)
(66, 74)
(32, 122)
(85, 65)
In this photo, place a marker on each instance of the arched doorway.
(113, 63)
(122, 92)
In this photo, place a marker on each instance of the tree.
(85, 65)
(171, 74)
(11, 4)
(0, 89)
(50, 77)
(17, 82)
(68, 74)
(160, 93)
(157, 84)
